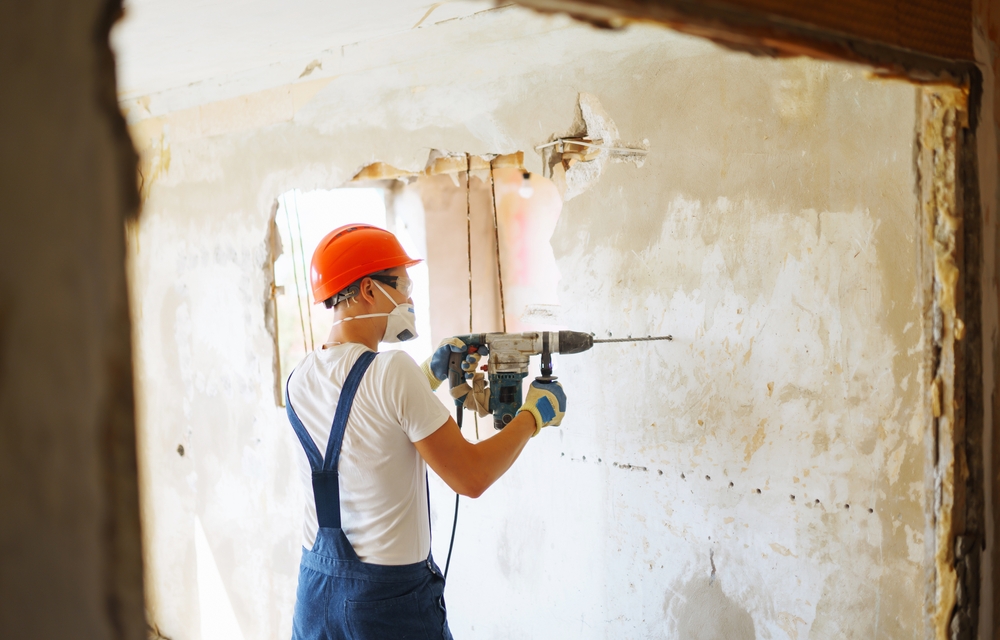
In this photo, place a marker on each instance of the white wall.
(772, 230)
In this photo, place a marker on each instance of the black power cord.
(454, 523)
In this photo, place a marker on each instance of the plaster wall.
(762, 476)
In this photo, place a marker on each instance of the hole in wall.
(301, 220)
(489, 220)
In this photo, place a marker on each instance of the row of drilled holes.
(684, 477)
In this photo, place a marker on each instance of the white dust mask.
(402, 323)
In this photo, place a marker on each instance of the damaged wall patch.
(576, 161)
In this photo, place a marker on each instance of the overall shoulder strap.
(325, 478)
(312, 451)
(344, 405)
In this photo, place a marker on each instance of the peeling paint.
(312, 66)
(758, 440)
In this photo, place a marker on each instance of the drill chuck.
(572, 341)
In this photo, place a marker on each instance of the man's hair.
(351, 290)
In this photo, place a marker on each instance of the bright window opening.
(302, 219)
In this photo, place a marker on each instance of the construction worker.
(367, 570)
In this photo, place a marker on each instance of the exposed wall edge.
(274, 249)
(950, 222)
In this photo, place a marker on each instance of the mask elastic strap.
(369, 315)
(364, 315)
(375, 282)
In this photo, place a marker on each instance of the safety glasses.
(401, 284)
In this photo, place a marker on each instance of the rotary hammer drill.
(508, 364)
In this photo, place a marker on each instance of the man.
(366, 570)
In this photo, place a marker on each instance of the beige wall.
(772, 230)
(70, 563)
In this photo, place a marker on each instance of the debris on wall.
(312, 66)
(441, 162)
(575, 162)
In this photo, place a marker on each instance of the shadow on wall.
(704, 612)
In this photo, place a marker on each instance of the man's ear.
(367, 290)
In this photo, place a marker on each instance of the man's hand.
(546, 401)
(436, 366)
(475, 396)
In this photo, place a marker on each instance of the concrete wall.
(70, 562)
(772, 230)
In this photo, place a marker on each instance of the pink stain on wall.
(525, 223)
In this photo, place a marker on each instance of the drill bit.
(644, 339)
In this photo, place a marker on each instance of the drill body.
(508, 364)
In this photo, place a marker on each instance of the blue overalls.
(339, 596)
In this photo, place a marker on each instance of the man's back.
(383, 493)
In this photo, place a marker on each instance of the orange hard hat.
(350, 253)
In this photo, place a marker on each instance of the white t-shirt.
(383, 491)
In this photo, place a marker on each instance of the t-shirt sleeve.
(411, 400)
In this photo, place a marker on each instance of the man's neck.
(357, 331)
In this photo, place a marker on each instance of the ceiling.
(168, 45)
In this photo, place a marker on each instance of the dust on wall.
(768, 464)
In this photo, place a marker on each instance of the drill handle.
(456, 376)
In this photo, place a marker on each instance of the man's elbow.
(473, 491)
(472, 486)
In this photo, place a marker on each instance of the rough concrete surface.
(762, 476)
(70, 561)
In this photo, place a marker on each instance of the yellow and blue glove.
(436, 366)
(546, 401)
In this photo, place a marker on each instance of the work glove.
(474, 396)
(546, 401)
(436, 366)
